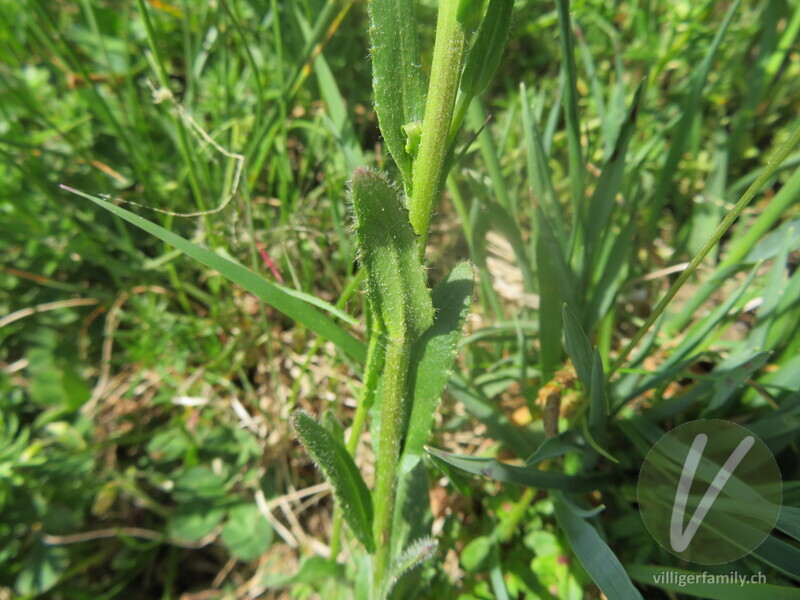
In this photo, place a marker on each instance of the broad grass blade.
(526, 476)
(598, 404)
(600, 562)
(282, 299)
(781, 555)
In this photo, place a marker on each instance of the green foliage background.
(145, 399)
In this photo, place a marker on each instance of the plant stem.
(429, 172)
(395, 375)
(712, 241)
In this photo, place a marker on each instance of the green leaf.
(731, 377)
(417, 552)
(520, 440)
(195, 520)
(489, 467)
(654, 576)
(566, 441)
(313, 569)
(783, 556)
(487, 49)
(397, 77)
(604, 198)
(600, 562)
(41, 569)
(773, 294)
(789, 521)
(577, 167)
(550, 301)
(332, 424)
(469, 13)
(598, 405)
(698, 334)
(336, 463)
(247, 534)
(199, 483)
(691, 106)
(389, 251)
(433, 356)
(277, 296)
(539, 173)
(577, 345)
(476, 553)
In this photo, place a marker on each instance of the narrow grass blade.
(789, 521)
(550, 301)
(699, 333)
(526, 476)
(486, 51)
(576, 165)
(287, 302)
(555, 289)
(397, 77)
(600, 562)
(539, 175)
(604, 198)
(610, 274)
(340, 123)
(773, 294)
(781, 555)
(519, 440)
(742, 245)
(654, 576)
(598, 404)
(503, 221)
(776, 159)
(388, 250)
(730, 380)
(566, 441)
(433, 356)
(782, 328)
(578, 348)
(332, 458)
(496, 572)
(691, 107)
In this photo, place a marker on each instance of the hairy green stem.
(721, 229)
(429, 171)
(395, 376)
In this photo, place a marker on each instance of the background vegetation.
(145, 446)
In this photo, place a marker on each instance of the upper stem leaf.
(388, 249)
(397, 77)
